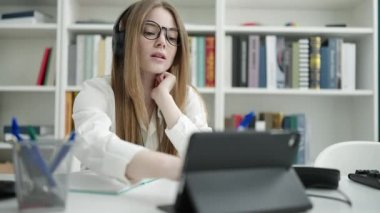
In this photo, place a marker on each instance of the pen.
(32, 154)
(62, 153)
(32, 133)
(245, 122)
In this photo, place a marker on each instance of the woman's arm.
(165, 102)
(180, 125)
(153, 164)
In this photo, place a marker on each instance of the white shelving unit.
(21, 50)
(332, 115)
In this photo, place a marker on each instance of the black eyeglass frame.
(159, 33)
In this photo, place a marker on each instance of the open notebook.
(91, 182)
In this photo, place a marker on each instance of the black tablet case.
(241, 172)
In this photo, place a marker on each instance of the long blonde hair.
(126, 77)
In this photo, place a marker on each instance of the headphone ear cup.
(118, 43)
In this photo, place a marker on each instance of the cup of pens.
(42, 168)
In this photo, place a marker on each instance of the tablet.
(240, 172)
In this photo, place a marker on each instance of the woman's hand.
(165, 102)
(164, 83)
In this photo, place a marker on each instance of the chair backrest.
(349, 156)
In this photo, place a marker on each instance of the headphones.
(118, 35)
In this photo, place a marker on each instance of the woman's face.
(157, 54)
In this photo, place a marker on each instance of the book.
(279, 61)
(348, 66)
(295, 65)
(108, 56)
(236, 61)
(210, 61)
(201, 61)
(228, 61)
(253, 60)
(90, 182)
(303, 66)
(71, 74)
(28, 16)
(243, 80)
(194, 62)
(262, 67)
(271, 61)
(44, 66)
(315, 62)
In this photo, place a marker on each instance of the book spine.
(325, 63)
(80, 62)
(194, 60)
(280, 71)
(236, 61)
(228, 61)
(262, 67)
(43, 66)
(108, 57)
(315, 62)
(210, 61)
(201, 64)
(287, 63)
(304, 76)
(295, 64)
(271, 63)
(18, 14)
(253, 60)
(71, 75)
(243, 81)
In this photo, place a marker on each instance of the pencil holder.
(41, 169)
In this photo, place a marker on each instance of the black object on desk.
(7, 189)
(317, 177)
(240, 172)
(369, 178)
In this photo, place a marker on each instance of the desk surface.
(146, 197)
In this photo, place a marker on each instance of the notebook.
(90, 182)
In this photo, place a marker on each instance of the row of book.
(278, 62)
(266, 121)
(25, 17)
(91, 56)
(202, 60)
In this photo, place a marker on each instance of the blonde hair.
(127, 84)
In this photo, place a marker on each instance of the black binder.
(240, 172)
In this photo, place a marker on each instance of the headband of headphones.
(118, 35)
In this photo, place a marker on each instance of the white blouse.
(101, 150)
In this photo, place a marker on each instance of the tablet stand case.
(252, 173)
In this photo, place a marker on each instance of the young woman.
(136, 123)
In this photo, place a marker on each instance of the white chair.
(349, 156)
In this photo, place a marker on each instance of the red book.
(210, 61)
(44, 66)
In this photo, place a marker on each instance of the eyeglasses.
(151, 30)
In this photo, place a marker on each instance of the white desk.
(147, 197)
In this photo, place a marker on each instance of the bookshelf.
(333, 115)
(22, 46)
